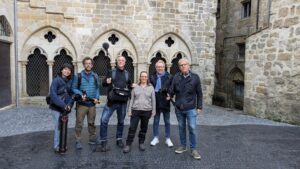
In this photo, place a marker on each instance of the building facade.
(51, 32)
(257, 58)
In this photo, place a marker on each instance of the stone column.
(50, 64)
(23, 78)
(169, 67)
(135, 72)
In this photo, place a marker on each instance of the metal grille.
(153, 62)
(129, 65)
(59, 60)
(5, 78)
(175, 67)
(37, 74)
(4, 27)
(101, 67)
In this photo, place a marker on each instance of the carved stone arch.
(123, 29)
(5, 28)
(65, 39)
(68, 52)
(158, 55)
(232, 70)
(61, 57)
(114, 49)
(179, 52)
(129, 55)
(163, 55)
(31, 50)
(235, 88)
(178, 44)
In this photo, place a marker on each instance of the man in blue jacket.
(186, 86)
(86, 84)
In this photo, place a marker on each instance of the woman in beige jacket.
(141, 108)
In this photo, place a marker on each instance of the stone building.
(51, 32)
(272, 75)
(257, 58)
(236, 20)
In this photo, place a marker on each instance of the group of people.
(150, 97)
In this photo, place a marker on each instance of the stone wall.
(272, 70)
(82, 25)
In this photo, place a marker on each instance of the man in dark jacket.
(186, 86)
(122, 81)
(161, 82)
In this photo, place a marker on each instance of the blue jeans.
(189, 116)
(55, 115)
(156, 123)
(106, 114)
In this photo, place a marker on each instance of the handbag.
(119, 94)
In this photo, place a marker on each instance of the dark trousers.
(138, 115)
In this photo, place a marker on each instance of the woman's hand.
(129, 114)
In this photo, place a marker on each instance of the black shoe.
(142, 147)
(120, 143)
(126, 149)
(104, 147)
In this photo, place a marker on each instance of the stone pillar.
(169, 67)
(135, 76)
(50, 64)
(23, 78)
(75, 64)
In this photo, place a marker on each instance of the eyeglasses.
(181, 65)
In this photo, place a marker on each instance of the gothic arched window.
(101, 67)
(175, 67)
(157, 57)
(37, 74)
(59, 60)
(129, 65)
(4, 27)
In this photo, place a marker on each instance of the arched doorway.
(236, 89)
(37, 74)
(5, 63)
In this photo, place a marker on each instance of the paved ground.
(33, 119)
(226, 140)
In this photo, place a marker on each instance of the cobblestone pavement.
(32, 119)
(226, 140)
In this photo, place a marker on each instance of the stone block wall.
(142, 22)
(272, 68)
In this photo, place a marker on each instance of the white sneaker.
(154, 141)
(169, 142)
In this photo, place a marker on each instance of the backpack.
(80, 77)
(113, 74)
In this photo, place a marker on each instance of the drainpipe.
(16, 54)
(257, 14)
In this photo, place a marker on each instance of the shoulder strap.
(126, 76)
(95, 79)
(79, 80)
(113, 74)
